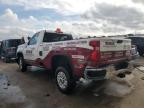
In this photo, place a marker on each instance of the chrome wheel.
(62, 80)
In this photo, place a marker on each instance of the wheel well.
(60, 60)
(19, 55)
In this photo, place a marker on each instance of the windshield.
(13, 43)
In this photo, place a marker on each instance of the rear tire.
(64, 80)
(22, 64)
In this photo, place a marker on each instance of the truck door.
(47, 44)
(31, 48)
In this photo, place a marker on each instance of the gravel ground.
(36, 88)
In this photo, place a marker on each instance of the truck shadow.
(88, 96)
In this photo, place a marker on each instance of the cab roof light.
(58, 30)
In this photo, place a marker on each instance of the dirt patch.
(40, 91)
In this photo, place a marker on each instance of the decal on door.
(46, 48)
(29, 52)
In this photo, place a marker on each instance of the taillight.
(94, 43)
(95, 54)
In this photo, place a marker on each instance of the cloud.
(63, 6)
(96, 17)
(9, 16)
(120, 17)
(11, 26)
(139, 1)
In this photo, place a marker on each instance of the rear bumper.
(91, 73)
(95, 74)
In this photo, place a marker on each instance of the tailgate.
(115, 48)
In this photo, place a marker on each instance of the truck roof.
(50, 31)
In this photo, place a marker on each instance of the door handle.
(40, 53)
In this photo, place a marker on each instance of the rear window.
(54, 37)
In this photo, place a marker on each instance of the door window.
(33, 40)
(54, 37)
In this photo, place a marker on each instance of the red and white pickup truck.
(72, 59)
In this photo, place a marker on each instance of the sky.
(80, 17)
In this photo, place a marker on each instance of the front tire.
(22, 64)
(64, 80)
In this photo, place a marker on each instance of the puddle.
(9, 93)
(36, 69)
(141, 68)
(119, 87)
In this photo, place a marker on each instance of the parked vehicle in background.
(139, 42)
(71, 59)
(0, 49)
(8, 49)
(134, 52)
